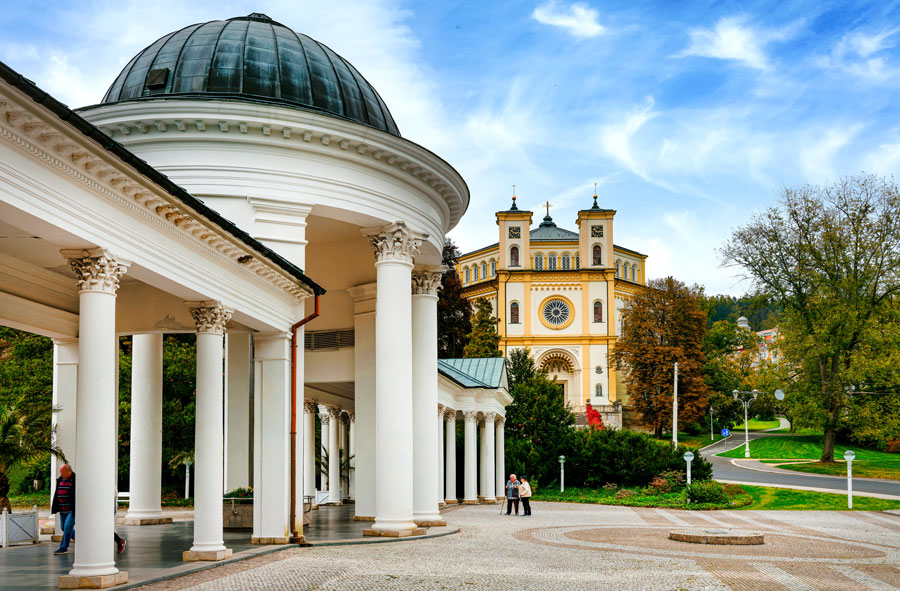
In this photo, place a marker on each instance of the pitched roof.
(475, 373)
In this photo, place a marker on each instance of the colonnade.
(483, 456)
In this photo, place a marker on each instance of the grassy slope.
(803, 447)
(886, 469)
(784, 499)
(758, 425)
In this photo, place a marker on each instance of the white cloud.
(884, 160)
(616, 138)
(857, 54)
(732, 39)
(578, 19)
(817, 159)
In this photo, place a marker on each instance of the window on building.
(484, 274)
(625, 271)
(598, 311)
(514, 313)
(566, 262)
(475, 273)
(467, 275)
(599, 390)
(551, 262)
(617, 268)
(538, 262)
(493, 268)
(514, 256)
(577, 263)
(597, 258)
(634, 272)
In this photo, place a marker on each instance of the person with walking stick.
(512, 494)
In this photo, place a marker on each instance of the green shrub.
(706, 491)
(675, 478)
(240, 493)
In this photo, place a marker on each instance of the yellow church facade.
(558, 292)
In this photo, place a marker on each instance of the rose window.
(556, 312)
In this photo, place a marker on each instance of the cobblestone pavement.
(574, 547)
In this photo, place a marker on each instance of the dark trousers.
(526, 506)
(509, 506)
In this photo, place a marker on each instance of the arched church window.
(484, 274)
(514, 256)
(625, 271)
(596, 255)
(598, 311)
(475, 273)
(467, 275)
(634, 272)
(566, 262)
(618, 269)
(599, 389)
(551, 262)
(577, 263)
(538, 262)
(493, 267)
(514, 313)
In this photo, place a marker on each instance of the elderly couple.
(518, 488)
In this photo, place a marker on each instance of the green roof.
(487, 372)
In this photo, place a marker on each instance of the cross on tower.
(548, 205)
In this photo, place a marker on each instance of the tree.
(454, 310)
(484, 340)
(830, 256)
(539, 424)
(519, 366)
(26, 432)
(663, 324)
(729, 351)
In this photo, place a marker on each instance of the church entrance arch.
(562, 367)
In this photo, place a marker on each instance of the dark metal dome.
(252, 58)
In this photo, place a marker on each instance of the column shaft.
(490, 471)
(364, 401)
(65, 389)
(501, 459)
(145, 472)
(237, 410)
(470, 458)
(440, 461)
(324, 424)
(351, 485)
(309, 449)
(482, 462)
(334, 456)
(450, 459)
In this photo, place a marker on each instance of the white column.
(351, 451)
(345, 452)
(65, 388)
(501, 458)
(426, 441)
(470, 459)
(334, 456)
(98, 274)
(210, 319)
(324, 427)
(490, 470)
(450, 457)
(364, 401)
(237, 410)
(394, 248)
(482, 462)
(145, 470)
(271, 439)
(440, 460)
(310, 408)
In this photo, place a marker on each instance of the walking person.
(525, 495)
(512, 494)
(64, 505)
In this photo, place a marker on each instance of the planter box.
(237, 514)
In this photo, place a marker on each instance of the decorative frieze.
(394, 243)
(209, 317)
(95, 269)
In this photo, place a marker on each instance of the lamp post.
(849, 455)
(688, 457)
(675, 408)
(187, 478)
(562, 473)
(746, 403)
(711, 434)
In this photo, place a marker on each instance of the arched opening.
(598, 311)
(514, 313)
(514, 256)
(597, 255)
(561, 368)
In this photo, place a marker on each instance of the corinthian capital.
(209, 317)
(311, 407)
(427, 281)
(95, 269)
(489, 417)
(394, 243)
(500, 420)
(470, 416)
(324, 418)
(335, 412)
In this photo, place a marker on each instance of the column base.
(489, 501)
(431, 522)
(206, 555)
(501, 499)
(451, 501)
(363, 518)
(270, 540)
(442, 504)
(147, 520)
(419, 531)
(91, 582)
(470, 501)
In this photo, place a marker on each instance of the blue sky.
(690, 116)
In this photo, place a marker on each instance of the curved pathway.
(753, 472)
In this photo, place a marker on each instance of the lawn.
(802, 447)
(692, 441)
(786, 499)
(639, 497)
(756, 425)
(27, 501)
(886, 469)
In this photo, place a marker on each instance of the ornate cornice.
(427, 281)
(101, 173)
(95, 269)
(311, 407)
(209, 317)
(394, 243)
(470, 416)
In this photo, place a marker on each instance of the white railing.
(19, 528)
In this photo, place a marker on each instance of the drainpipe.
(296, 538)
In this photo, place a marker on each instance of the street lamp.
(746, 403)
(688, 457)
(849, 455)
(187, 478)
(562, 473)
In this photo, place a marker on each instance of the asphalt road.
(753, 472)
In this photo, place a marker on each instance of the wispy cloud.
(616, 138)
(862, 55)
(578, 19)
(733, 39)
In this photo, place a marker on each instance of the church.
(559, 293)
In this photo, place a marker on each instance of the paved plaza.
(573, 547)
